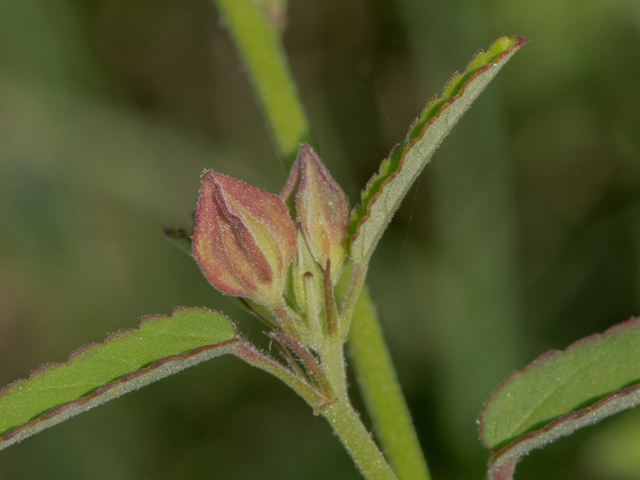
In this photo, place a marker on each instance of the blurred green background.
(523, 235)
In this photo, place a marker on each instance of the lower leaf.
(560, 392)
(96, 373)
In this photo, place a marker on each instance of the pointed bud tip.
(243, 239)
(321, 208)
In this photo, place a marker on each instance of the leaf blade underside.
(386, 189)
(562, 391)
(96, 373)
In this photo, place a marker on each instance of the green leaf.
(180, 238)
(96, 373)
(384, 192)
(562, 391)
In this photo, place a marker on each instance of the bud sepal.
(320, 206)
(243, 240)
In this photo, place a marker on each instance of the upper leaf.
(561, 391)
(125, 361)
(384, 192)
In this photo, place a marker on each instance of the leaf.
(385, 190)
(562, 391)
(180, 238)
(96, 373)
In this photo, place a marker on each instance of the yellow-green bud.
(320, 206)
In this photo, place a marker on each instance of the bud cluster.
(245, 239)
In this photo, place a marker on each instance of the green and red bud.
(243, 240)
(320, 206)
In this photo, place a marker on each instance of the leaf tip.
(455, 87)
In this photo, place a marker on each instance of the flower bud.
(307, 280)
(321, 208)
(243, 240)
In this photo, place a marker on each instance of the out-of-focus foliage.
(522, 236)
(614, 453)
(126, 360)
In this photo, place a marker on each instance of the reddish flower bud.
(243, 240)
(320, 206)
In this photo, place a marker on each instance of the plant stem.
(247, 352)
(261, 49)
(339, 412)
(344, 419)
(332, 358)
(382, 394)
(262, 52)
(358, 442)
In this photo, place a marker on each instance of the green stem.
(312, 365)
(262, 52)
(382, 394)
(332, 358)
(344, 419)
(358, 442)
(337, 410)
(247, 352)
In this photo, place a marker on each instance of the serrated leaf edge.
(453, 90)
(573, 420)
(546, 357)
(129, 382)
(614, 403)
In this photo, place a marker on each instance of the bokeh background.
(522, 236)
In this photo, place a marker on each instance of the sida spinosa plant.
(298, 262)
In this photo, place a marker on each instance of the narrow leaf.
(562, 391)
(180, 238)
(384, 192)
(96, 373)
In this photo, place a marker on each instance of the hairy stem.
(345, 420)
(247, 352)
(382, 394)
(332, 357)
(337, 410)
(261, 49)
(358, 442)
(262, 52)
